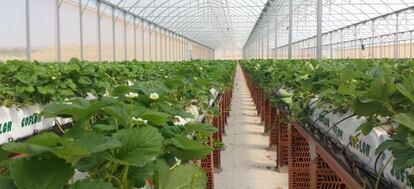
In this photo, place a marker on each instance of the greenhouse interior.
(206, 94)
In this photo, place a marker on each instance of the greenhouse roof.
(210, 22)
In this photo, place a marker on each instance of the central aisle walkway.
(247, 163)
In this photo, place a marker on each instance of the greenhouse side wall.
(56, 30)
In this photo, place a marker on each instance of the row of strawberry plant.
(377, 94)
(129, 135)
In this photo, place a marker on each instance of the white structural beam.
(319, 30)
(290, 29)
(28, 40)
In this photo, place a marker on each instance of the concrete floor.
(246, 161)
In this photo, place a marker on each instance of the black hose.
(320, 116)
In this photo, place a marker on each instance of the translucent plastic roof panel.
(338, 14)
(210, 22)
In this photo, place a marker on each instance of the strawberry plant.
(373, 89)
(125, 137)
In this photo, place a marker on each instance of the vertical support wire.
(290, 29)
(113, 35)
(155, 43)
(411, 45)
(28, 40)
(57, 12)
(143, 39)
(396, 43)
(373, 39)
(165, 45)
(125, 37)
(149, 41)
(99, 31)
(276, 30)
(81, 29)
(355, 42)
(319, 30)
(135, 38)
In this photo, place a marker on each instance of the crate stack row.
(310, 165)
(212, 163)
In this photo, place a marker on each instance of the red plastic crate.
(299, 160)
(273, 136)
(208, 166)
(327, 179)
(283, 144)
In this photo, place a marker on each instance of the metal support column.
(169, 47)
(290, 29)
(99, 30)
(381, 47)
(143, 39)
(125, 37)
(262, 44)
(28, 44)
(411, 45)
(135, 38)
(81, 29)
(155, 43)
(149, 42)
(174, 48)
(275, 35)
(113, 34)
(161, 52)
(355, 41)
(330, 46)
(165, 45)
(342, 44)
(319, 31)
(396, 43)
(372, 39)
(268, 43)
(58, 47)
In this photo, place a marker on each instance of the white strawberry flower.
(53, 78)
(179, 121)
(154, 96)
(140, 120)
(137, 119)
(131, 95)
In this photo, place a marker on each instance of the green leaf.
(91, 184)
(85, 80)
(26, 78)
(187, 149)
(120, 113)
(46, 90)
(103, 127)
(410, 139)
(138, 175)
(367, 127)
(406, 119)
(121, 90)
(49, 142)
(367, 109)
(40, 172)
(185, 177)
(140, 146)
(405, 92)
(203, 129)
(156, 118)
(95, 142)
(7, 183)
(287, 100)
(404, 160)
